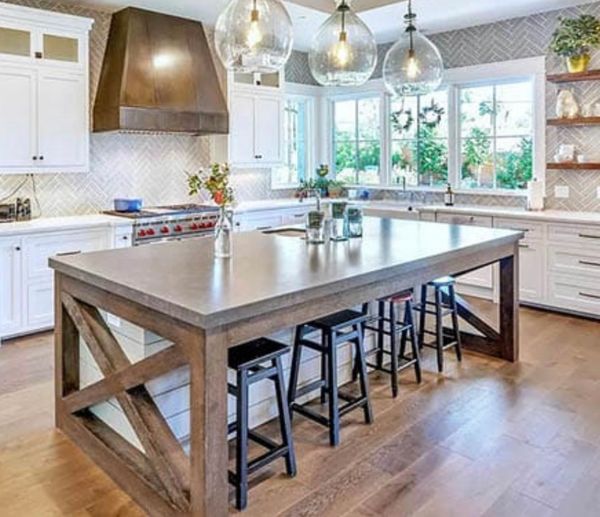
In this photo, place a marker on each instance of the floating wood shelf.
(590, 75)
(590, 166)
(579, 121)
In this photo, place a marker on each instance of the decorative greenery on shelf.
(215, 181)
(576, 37)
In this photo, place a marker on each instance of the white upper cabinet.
(44, 99)
(256, 122)
(18, 143)
(62, 124)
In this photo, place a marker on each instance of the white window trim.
(533, 69)
(312, 95)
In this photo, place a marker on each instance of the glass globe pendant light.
(254, 36)
(343, 51)
(413, 65)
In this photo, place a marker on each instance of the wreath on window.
(431, 116)
(403, 120)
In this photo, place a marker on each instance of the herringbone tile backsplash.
(153, 166)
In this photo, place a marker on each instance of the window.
(296, 144)
(419, 145)
(496, 133)
(357, 140)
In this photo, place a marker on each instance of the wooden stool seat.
(402, 297)
(339, 320)
(443, 281)
(254, 353)
(253, 362)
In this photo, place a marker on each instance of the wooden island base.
(163, 479)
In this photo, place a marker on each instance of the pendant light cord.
(343, 8)
(410, 17)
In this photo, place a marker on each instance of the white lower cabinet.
(531, 271)
(27, 283)
(11, 291)
(481, 281)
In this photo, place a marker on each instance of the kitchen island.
(178, 291)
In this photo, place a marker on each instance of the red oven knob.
(164, 229)
(150, 231)
(142, 233)
(178, 228)
(193, 226)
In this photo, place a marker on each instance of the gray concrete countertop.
(268, 271)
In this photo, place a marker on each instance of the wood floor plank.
(486, 438)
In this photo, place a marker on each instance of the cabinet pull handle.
(38, 55)
(587, 295)
(260, 228)
(17, 248)
(588, 263)
(65, 253)
(42, 157)
(34, 158)
(587, 236)
(298, 215)
(523, 245)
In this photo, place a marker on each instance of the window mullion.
(454, 136)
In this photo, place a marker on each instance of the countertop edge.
(282, 300)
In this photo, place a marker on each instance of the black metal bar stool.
(248, 360)
(443, 288)
(399, 331)
(336, 329)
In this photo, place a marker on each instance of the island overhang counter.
(179, 291)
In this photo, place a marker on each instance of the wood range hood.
(158, 75)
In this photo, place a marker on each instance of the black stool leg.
(241, 489)
(452, 296)
(364, 378)
(393, 349)
(413, 340)
(422, 315)
(439, 329)
(295, 369)
(405, 331)
(380, 333)
(334, 414)
(324, 374)
(284, 420)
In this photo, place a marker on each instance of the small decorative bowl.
(127, 204)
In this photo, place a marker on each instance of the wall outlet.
(561, 191)
(598, 192)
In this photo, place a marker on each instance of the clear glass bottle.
(339, 221)
(315, 227)
(224, 233)
(355, 222)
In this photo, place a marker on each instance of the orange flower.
(218, 197)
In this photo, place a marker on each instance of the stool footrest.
(407, 362)
(446, 346)
(350, 406)
(309, 413)
(314, 385)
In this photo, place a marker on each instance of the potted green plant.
(574, 39)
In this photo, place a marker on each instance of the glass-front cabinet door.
(15, 42)
(59, 47)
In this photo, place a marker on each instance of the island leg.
(509, 306)
(208, 407)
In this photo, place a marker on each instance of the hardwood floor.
(487, 438)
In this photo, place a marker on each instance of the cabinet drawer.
(575, 261)
(472, 220)
(574, 293)
(531, 229)
(41, 247)
(575, 234)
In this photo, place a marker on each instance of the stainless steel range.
(162, 223)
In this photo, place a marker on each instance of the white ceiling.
(386, 21)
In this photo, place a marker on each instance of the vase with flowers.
(216, 182)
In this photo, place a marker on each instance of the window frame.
(311, 136)
(531, 69)
(369, 92)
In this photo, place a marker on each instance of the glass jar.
(224, 233)
(355, 222)
(339, 221)
(315, 227)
